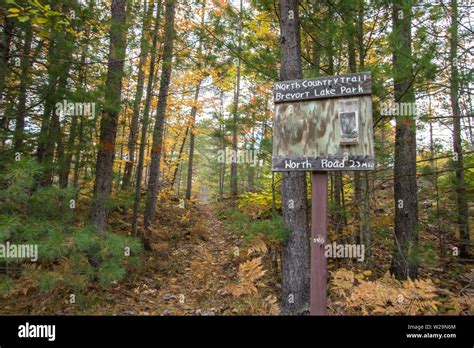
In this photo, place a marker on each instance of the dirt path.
(197, 273)
(188, 276)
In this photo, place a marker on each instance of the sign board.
(323, 124)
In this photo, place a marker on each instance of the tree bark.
(178, 160)
(70, 151)
(296, 252)
(133, 137)
(24, 82)
(189, 184)
(109, 121)
(50, 140)
(463, 211)
(404, 263)
(160, 113)
(146, 120)
(338, 208)
(235, 113)
(5, 42)
(192, 127)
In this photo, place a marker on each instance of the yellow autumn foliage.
(385, 296)
(249, 274)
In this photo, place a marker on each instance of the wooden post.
(319, 223)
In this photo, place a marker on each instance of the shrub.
(69, 255)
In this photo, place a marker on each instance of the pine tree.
(156, 149)
(109, 121)
(296, 252)
(462, 207)
(404, 262)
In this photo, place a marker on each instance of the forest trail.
(197, 272)
(187, 274)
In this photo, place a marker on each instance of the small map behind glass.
(349, 121)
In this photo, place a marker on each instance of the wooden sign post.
(320, 125)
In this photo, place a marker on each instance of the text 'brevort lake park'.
(357, 84)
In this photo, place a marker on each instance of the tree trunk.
(50, 137)
(404, 263)
(24, 82)
(361, 179)
(463, 212)
(49, 99)
(235, 114)
(223, 148)
(364, 218)
(70, 151)
(5, 42)
(296, 252)
(252, 159)
(133, 137)
(192, 126)
(145, 120)
(77, 159)
(338, 209)
(110, 115)
(180, 153)
(160, 113)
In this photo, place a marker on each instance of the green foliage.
(273, 229)
(16, 182)
(259, 204)
(85, 239)
(81, 267)
(51, 203)
(69, 255)
(54, 246)
(110, 271)
(48, 280)
(428, 254)
(122, 199)
(8, 224)
(236, 220)
(382, 232)
(6, 285)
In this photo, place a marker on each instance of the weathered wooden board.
(309, 135)
(323, 87)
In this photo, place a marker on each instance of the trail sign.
(322, 124)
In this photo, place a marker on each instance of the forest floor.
(191, 282)
(199, 265)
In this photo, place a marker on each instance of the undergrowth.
(70, 253)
